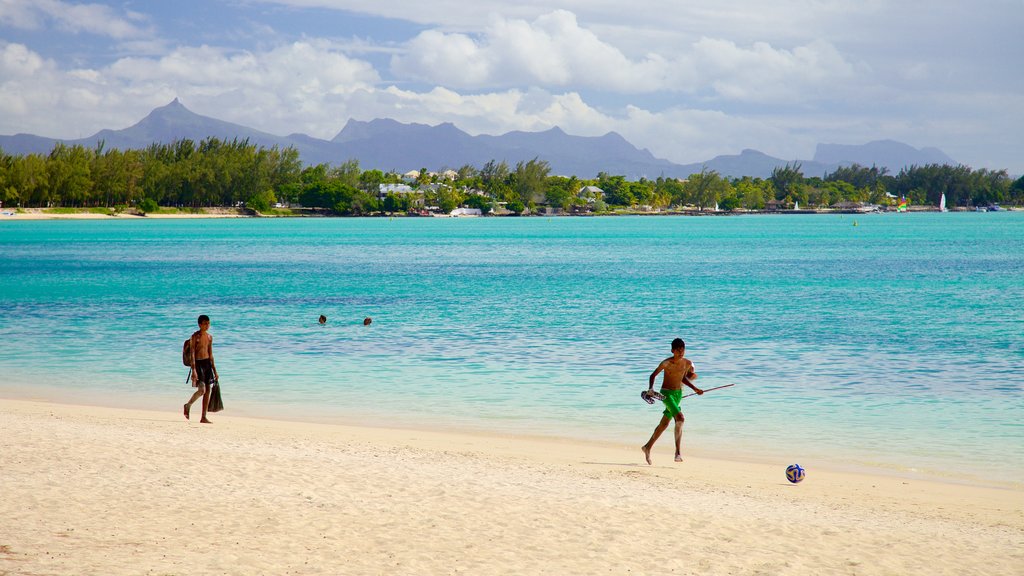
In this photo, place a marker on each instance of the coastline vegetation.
(185, 176)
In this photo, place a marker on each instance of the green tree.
(396, 203)
(482, 203)
(494, 177)
(750, 192)
(285, 173)
(262, 201)
(617, 191)
(468, 176)
(1016, 191)
(561, 191)
(370, 181)
(672, 190)
(530, 180)
(448, 198)
(857, 175)
(788, 181)
(69, 175)
(730, 203)
(705, 188)
(148, 206)
(643, 192)
(362, 202)
(347, 173)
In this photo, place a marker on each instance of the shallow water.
(896, 343)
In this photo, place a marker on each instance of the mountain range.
(390, 145)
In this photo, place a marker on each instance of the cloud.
(684, 84)
(23, 73)
(762, 73)
(18, 62)
(291, 87)
(487, 113)
(554, 51)
(551, 51)
(90, 18)
(687, 135)
(310, 87)
(287, 88)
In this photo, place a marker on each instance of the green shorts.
(671, 401)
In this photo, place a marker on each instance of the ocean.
(890, 342)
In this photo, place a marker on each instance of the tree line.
(218, 172)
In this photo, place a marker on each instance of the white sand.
(39, 214)
(111, 491)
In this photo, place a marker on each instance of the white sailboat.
(942, 203)
(796, 205)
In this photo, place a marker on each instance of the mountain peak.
(172, 113)
(389, 144)
(883, 153)
(172, 106)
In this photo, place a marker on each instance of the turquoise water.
(897, 343)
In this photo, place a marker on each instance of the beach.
(42, 214)
(93, 490)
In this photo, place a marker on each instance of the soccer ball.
(794, 473)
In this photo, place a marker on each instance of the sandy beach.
(40, 214)
(90, 490)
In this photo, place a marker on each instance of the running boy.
(678, 371)
(204, 371)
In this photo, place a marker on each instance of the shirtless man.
(204, 371)
(678, 371)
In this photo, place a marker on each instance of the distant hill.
(390, 145)
(893, 155)
(175, 122)
(758, 164)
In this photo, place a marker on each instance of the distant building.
(386, 189)
(466, 212)
(855, 207)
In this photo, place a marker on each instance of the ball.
(794, 473)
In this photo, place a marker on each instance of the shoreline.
(369, 422)
(886, 465)
(95, 490)
(41, 214)
(25, 214)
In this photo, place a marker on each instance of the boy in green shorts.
(678, 371)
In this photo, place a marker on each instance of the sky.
(686, 79)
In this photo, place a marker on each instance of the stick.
(709, 390)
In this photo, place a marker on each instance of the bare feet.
(679, 458)
(205, 421)
(647, 453)
(186, 411)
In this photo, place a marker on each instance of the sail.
(942, 202)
